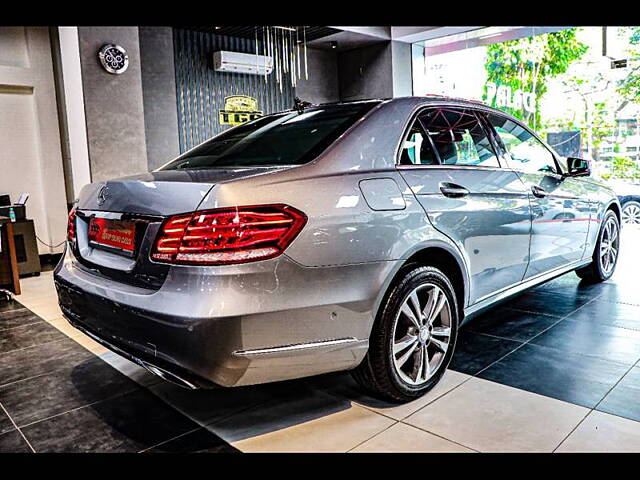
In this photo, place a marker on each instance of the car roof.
(417, 100)
(427, 97)
(423, 99)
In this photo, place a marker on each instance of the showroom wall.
(31, 159)
(159, 94)
(381, 70)
(322, 84)
(113, 105)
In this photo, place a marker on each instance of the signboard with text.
(239, 109)
(504, 96)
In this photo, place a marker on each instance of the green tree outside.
(623, 167)
(527, 63)
(629, 87)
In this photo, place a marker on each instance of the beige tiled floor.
(450, 381)
(405, 438)
(603, 432)
(338, 432)
(490, 417)
(330, 414)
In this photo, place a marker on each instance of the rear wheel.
(631, 213)
(605, 255)
(413, 337)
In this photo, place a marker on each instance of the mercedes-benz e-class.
(330, 237)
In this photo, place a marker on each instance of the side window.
(416, 149)
(458, 137)
(526, 151)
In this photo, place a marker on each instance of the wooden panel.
(8, 264)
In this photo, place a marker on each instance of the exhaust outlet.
(168, 376)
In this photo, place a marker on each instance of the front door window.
(527, 153)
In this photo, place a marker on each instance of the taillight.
(228, 235)
(71, 225)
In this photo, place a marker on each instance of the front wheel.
(413, 337)
(605, 255)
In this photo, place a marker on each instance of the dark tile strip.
(17, 429)
(71, 410)
(64, 390)
(13, 442)
(18, 318)
(534, 337)
(23, 336)
(37, 360)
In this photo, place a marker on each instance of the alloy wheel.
(609, 245)
(421, 334)
(631, 214)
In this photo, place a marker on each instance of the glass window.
(289, 138)
(459, 137)
(417, 148)
(527, 153)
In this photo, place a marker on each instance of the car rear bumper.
(129, 332)
(199, 348)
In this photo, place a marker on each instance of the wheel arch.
(439, 255)
(616, 208)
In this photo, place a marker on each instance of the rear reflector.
(71, 225)
(227, 235)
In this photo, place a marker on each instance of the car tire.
(631, 212)
(604, 264)
(393, 373)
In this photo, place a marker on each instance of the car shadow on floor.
(126, 418)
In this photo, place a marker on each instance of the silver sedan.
(355, 236)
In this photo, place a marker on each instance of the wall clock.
(114, 58)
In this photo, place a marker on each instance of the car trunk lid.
(139, 202)
(160, 193)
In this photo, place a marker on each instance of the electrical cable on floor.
(50, 246)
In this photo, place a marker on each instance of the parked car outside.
(629, 196)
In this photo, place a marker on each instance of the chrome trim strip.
(299, 347)
(449, 167)
(488, 301)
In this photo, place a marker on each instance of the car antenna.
(300, 105)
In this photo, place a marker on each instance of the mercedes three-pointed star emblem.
(103, 194)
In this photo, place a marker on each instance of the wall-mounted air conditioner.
(242, 63)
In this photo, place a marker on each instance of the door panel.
(560, 206)
(450, 165)
(491, 225)
(560, 222)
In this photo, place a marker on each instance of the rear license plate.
(113, 235)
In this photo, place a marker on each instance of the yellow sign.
(239, 109)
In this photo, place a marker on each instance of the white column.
(74, 107)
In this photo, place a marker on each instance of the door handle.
(453, 190)
(538, 191)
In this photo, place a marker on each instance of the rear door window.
(448, 136)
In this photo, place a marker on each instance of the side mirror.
(578, 167)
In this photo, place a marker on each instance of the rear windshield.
(289, 138)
